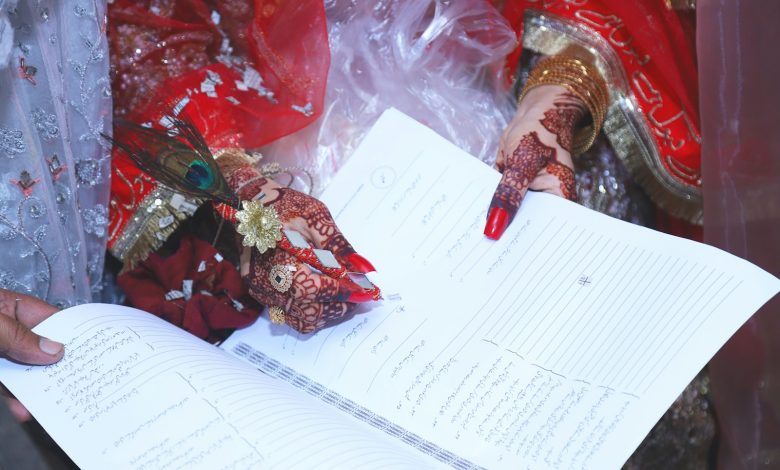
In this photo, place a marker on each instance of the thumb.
(20, 344)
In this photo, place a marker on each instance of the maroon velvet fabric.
(211, 309)
(740, 119)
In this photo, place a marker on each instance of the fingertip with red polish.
(363, 296)
(355, 293)
(360, 264)
(497, 221)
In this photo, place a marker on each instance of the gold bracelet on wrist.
(582, 80)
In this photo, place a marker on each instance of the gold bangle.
(573, 74)
(582, 80)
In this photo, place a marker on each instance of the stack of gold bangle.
(581, 79)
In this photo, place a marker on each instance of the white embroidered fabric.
(55, 101)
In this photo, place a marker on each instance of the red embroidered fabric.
(247, 73)
(219, 299)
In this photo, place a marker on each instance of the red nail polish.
(360, 264)
(361, 296)
(497, 221)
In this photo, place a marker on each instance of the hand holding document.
(558, 346)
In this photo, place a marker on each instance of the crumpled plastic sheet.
(441, 62)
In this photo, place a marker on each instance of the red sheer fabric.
(219, 301)
(166, 52)
(246, 73)
(740, 109)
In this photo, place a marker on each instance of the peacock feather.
(178, 158)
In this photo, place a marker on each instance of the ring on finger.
(277, 315)
(281, 277)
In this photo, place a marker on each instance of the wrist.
(538, 101)
(585, 88)
(242, 174)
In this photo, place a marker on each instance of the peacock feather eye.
(180, 160)
(200, 175)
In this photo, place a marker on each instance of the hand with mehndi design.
(314, 299)
(535, 153)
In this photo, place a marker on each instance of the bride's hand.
(307, 299)
(535, 153)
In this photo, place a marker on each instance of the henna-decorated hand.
(313, 299)
(535, 153)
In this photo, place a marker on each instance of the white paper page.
(558, 346)
(135, 392)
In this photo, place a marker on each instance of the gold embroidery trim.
(157, 216)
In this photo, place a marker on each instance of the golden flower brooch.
(259, 224)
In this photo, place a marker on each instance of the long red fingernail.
(360, 264)
(351, 291)
(497, 221)
(361, 296)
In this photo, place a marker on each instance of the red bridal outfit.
(245, 74)
(231, 65)
(645, 166)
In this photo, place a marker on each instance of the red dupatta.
(247, 73)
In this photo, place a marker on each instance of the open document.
(558, 346)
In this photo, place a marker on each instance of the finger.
(294, 244)
(528, 159)
(312, 316)
(565, 184)
(312, 220)
(260, 284)
(17, 342)
(322, 259)
(340, 290)
(20, 413)
(287, 275)
(501, 160)
(324, 232)
(326, 235)
(356, 263)
(28, 310)
(333, 240)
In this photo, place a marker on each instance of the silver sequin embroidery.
(96, 220)
(11, 142)
(46, 124)
(88, 172)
